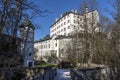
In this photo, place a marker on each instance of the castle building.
(63, 28)
(51, 46)
(71, 21)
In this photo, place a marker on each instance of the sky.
(56, 8)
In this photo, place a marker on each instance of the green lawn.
(46, 65)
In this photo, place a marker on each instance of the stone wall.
(98, 73)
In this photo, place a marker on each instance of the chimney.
(86, 10)
(61, 15)
(72, 10)
(75, 11)
(56, 19)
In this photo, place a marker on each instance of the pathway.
(63, 74)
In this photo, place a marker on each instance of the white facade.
(71, 21)
(51, 46)
(44, 47)
(66, 25)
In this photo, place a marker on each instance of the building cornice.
(42, 40)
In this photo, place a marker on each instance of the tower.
(27, 43)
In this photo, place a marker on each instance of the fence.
(106, 73)
(44, 74)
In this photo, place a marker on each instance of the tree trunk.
(0, 39)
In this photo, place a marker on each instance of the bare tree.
(12, 14)
(83, 41)
(116, 30)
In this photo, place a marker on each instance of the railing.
(106, 73)
(45, 74)
(76, 75)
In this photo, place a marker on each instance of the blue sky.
(56, 8)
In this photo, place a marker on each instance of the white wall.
(75, 20)
(75, 23)
(61, 43)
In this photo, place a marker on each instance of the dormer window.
(68, 16)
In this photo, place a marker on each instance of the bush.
(42, 62)
(66, 65)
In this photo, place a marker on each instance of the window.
(64, 23)
(68, 27)
(64, 29)
(68, 21)
(55, 44)
(30, 54)
(49, 45)
(68, 15)
(74, 21)
(80, 19)
(61, 30)
(30, 64)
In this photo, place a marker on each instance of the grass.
(46, 65)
